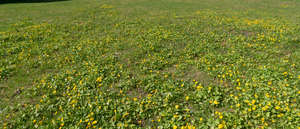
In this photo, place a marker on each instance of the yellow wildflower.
(216, 102)
(187, 98)
(94, 122)
(220, 126)
(174, 127)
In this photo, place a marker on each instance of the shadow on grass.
(28, 1)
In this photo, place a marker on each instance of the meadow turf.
(150, 64)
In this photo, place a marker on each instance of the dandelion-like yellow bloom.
(220, 126)
(216, 102)
(174, 127)
(94, 122)
(187, 98)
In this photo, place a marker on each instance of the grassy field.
(150, 64)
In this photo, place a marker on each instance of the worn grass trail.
(155, 64)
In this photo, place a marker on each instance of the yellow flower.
(220, 126)
(280, 115)
(92, 118)
(253, 101)
(94, 122)
(176, 106)
(269, 83)
(216, 102)
(187, 98)
(174, 127)
(99, 79)
(221, 117)
(284, 73)
(265, 108)
(166, 76)
(191, 127)
(199, 87)
(201, 119)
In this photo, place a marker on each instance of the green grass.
(36, 13)
(150, 63)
